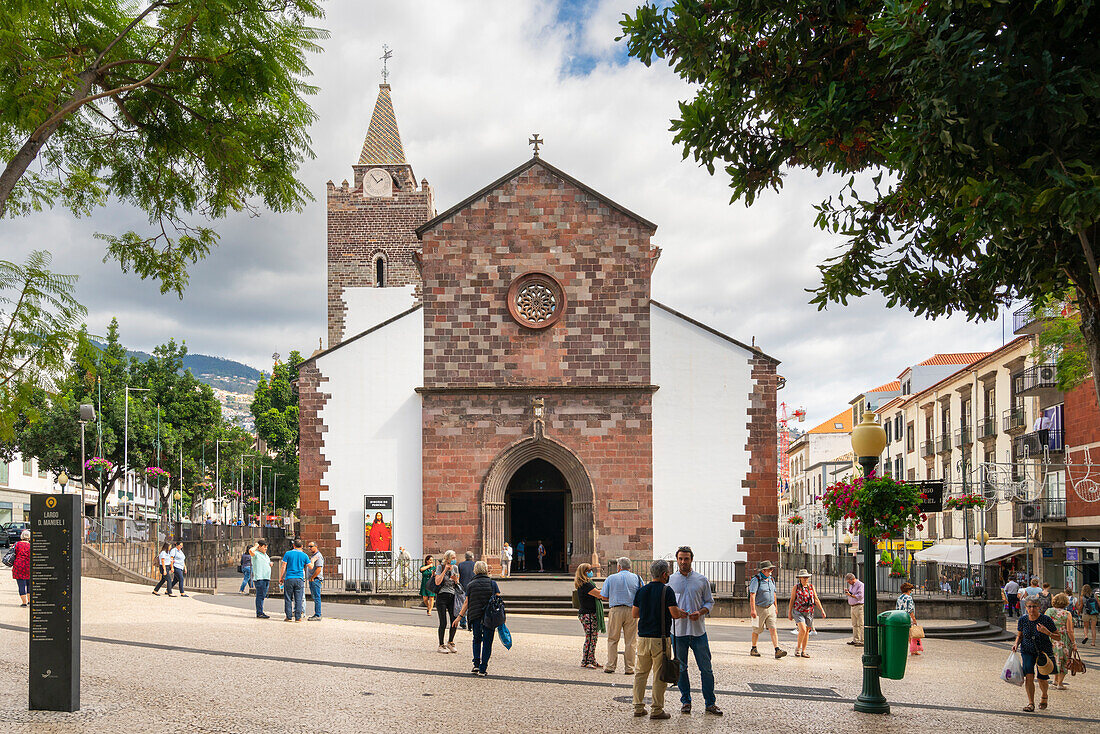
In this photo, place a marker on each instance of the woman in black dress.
(1034, 633)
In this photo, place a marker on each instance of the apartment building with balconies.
(813, 457)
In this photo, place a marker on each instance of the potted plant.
(897, 570)
(964, 502)
(885, 559)
(795, 520)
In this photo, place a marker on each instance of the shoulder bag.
(9, 557)
(670, 666)
(1076, 664)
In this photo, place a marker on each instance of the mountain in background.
(233, 382)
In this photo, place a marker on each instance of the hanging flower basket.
(964, 501)
(878, 507)
(203, 487)
(795, 520)
(155, 472)
(98, 463)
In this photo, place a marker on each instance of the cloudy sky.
(471, 81)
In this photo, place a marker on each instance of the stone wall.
(314, 514)
(761, 518)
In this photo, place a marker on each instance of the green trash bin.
(893, 643)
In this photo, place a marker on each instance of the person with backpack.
(1089, 607)
(245, 567)
(446, 585)
(762, 607)
(164, 565)
(479, 591)
(619, 590)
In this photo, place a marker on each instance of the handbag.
(495, 614)
(505, 636)
(916, 632)
(432, 585)
(9, 557)
(1044, 664)
(1076, 664)
(670, 666)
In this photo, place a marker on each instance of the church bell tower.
(372, 221)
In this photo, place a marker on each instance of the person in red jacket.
(21, 569)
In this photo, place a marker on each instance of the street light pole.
(262, 467)
(218, 476)
(868, 441)
(275, 491)
(126, 440)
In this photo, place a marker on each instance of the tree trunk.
(1090, 330)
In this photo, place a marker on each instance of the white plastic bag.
(1013, 670)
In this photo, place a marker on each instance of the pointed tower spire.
(382, 146)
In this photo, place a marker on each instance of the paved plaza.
(205, 664)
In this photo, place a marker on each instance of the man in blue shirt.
(618, 591)
(293, 582)
(762, 607)
(694, 598)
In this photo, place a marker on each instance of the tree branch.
(127, 29)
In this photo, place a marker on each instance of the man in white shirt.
(694, 598)
(316, 569)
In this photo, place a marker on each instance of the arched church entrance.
(537, 489)
(537, 509)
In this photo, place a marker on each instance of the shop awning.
(955, 553)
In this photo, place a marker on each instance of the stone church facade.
(503, 372)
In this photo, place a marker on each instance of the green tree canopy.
(977, 124)
(275, 411)
(186, 109)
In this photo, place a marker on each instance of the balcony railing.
(987, 427)
(1013, 419)
(1036, 443)
(928, 448)
(1029, 320)
(964, 437)
(944, 442)
(1054, 508)
(1038, 378)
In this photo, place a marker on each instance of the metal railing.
(945, 443)
(1054, 508)
(1025, 317)
(928, 448)
(1039, 377)
(1013, 419)
(1036, 443)
(987, 427)
(964, 437)
(203, 559)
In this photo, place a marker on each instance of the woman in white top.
(164, 565)
(506, 561)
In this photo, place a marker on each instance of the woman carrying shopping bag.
(916, 632)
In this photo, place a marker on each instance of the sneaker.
(661, 715)
(443, 649)
(685, 709)
(289, 619)
(609, 670)
(640, 712)
(780, 653)
(451, 647)
(474, 671)
(713, 709)
(754, 652)
(172, 595)
(262, 616)
(156, 593)
(482, 674)
(314, 617)
(850, 642)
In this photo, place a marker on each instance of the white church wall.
(700, 416)
(373, 437)
(369, 307)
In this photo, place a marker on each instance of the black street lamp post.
(868, 441)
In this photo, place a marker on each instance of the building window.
(5, 512)
(889, 431)
(897, 466)
(910, 438)
(41, 471)
(3, 472)
(379, 271)
(27, 468)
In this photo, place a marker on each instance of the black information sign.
(934, 489)
(55, 602)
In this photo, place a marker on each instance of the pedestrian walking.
(316, 570)
(465, 576)
(261, 574)
(619, 590)
(446, 578)
(521, 560)
(1089, 606)
(246, 569)
(586, 594)
(1035, 633)
(1031, 593)
(654, 608)
(479, 591)
(292, 582)
(164, 565)
(762, 607)
(800, 609)
(179, 568)
(21, 568)
(853, 592)
(1065, 645)
(506, 560)
(694, 599)
(1046, 598)
(426, 593)
(542, 556)
(905, 604)
(1012, 598)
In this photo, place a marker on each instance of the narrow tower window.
(379, 272)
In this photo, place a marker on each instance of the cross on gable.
(536, 141)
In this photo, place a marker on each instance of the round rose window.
(536, 300)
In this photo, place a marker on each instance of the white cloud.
(471, 81)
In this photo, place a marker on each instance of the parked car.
(9, 536)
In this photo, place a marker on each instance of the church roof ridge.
(710, 329)
(382, 146)
(440, 218)
(321, 353)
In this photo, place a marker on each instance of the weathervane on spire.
(536, 141)
(386, 54)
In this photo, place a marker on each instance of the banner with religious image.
(378, 531)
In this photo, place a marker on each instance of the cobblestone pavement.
(187, 665)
